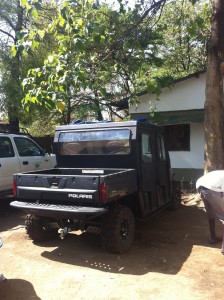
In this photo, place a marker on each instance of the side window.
(6, 149)
(161, 148)
(178, 137)
(27, 147)
(146, 148)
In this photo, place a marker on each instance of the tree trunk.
(13, 106)
(99, 115)
(214, 105)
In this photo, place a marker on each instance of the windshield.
(104, 142)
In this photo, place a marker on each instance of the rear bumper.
(60, 211)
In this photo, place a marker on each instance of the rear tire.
(176, 195)
(118, 229)
(36, 228)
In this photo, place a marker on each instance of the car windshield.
(99, 142)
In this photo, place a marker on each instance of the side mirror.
(43, 152)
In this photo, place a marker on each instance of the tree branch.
(7, 33)
(8, 21)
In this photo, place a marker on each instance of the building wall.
(193, 159)
(188, 94)
(188, 166)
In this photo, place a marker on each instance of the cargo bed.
(47, 190)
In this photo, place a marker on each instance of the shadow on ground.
(162, 245)
(17, 289)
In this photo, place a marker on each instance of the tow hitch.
(63, 231)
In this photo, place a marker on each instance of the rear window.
(99, 142)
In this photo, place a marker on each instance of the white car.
(19, 153)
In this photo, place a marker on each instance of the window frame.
(88, 145)
(146, 156)
(178, 137)
(29, 141)
(161, 147)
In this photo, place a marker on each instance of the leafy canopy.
(99, 55)
(103, 54)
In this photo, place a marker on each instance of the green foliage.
(15, 67)
(31, 7)
(93, 55)
(100, 53)
(186, 30)
(155, 84)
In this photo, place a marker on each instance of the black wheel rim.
(124, 229)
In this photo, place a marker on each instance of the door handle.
(0, 165)
(25, 162)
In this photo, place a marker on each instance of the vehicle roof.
(96, 125)
(13, 134)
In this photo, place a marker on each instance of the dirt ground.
(170, 259)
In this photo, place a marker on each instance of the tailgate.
(57, 189)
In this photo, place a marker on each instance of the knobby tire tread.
(110, 235)
(35, 230)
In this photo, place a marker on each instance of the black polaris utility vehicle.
(108, 174)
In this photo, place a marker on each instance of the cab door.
(9, 163)
(31, 156)
(164, 172)
(149, 173)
